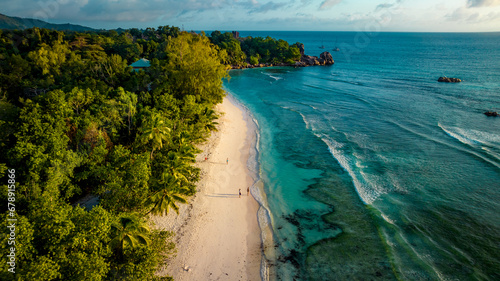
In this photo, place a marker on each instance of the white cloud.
(482, 3)
(470, 17)
(327, 4)
(269, 6)
(383, 6)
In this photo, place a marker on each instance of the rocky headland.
(324, 58)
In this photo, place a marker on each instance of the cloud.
(482, 3)
(465, 15)
(327, 4)
(130, 10)
(148, 10)
(269, 6)
(387, 5)
(383, 6)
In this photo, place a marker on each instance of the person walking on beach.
(248, 190)
(227, 161)
(239, 191)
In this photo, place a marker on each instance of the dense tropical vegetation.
(255, 50)
(75, 120)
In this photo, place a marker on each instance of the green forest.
(255, 50)
(76, 120)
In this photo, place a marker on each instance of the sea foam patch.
(367, 192)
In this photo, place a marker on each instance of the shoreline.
(217, 232)
(257, 191)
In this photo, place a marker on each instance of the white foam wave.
(492, 153)
(276, 78)
(366, 191)
(487, 142)
(305, 120)
(472, 137)
(457, 136)
(387, 219)
(257, 133)
(265, 223)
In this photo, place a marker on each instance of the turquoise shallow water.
(374, 170)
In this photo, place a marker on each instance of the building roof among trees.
(141, 63)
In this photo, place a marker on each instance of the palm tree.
(170, 192)
(183, 146)
(179, 168)
(128, 102)
(209, 115)
(178, 160)
(155, 130)
(128, 232)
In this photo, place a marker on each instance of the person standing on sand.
(248, 190)
(239, 191)
(227, 161)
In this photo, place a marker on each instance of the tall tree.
(169, 192)
(78, 98)
(155, 131)
(128, 103)
(128, 232)
(194, 68)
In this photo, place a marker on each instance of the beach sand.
(218, 237)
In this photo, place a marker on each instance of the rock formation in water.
(325, 58)
(449, 80)
(491, 114)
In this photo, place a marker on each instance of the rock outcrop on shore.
(491, 114)
(325, 58)
(449, 80)
(301, 48)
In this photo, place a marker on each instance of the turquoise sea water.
(372, 169)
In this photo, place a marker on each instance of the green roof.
(141, 63)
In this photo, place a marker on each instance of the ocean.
(370, 169)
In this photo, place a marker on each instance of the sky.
(313, 15)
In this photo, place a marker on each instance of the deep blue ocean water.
(372, 169)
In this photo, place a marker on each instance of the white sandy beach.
(218, 237)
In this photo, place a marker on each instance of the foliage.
(139, 262)
(128, 232)
(270, 50)
(226, 41)
(193, 68)
(60, 242)
(169, 191)
(254, 60)
(155, 131)
(255, 50)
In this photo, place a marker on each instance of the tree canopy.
(255, 50)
